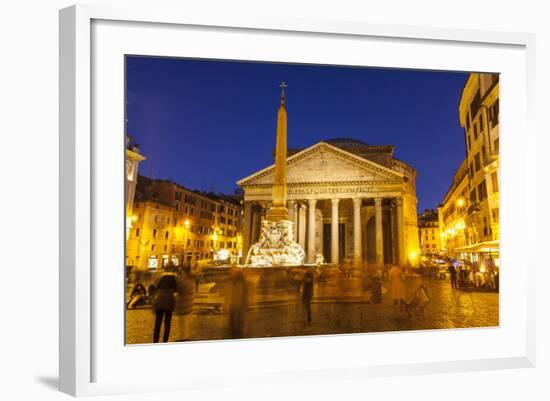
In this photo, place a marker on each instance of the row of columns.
(297, 213)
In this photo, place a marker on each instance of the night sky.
(205, 124)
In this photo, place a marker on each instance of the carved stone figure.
(276, 246)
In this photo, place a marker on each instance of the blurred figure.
(385, 272)
(454, 274)
(184, 302)
(164, 301)
(137, 296)
(397, 287)
(307, 295)
(237, 302)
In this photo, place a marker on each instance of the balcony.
(473, 208)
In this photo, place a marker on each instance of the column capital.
(311, 202)
(357, 201)
(292, 203)
(378, 201)
(335, 201)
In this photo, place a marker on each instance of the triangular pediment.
(323, 162)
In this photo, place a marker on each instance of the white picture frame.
(79, 209)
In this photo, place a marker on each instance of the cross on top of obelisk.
(283, 85)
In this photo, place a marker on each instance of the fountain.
(276, 245)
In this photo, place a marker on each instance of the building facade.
(349, 201)
(469, 213)
(174, 224)
(429, 235)
(133, 158)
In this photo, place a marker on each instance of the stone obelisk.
(278, 210)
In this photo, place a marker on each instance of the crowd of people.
(171, 294)
(468, 277)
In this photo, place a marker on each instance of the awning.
(482, 247)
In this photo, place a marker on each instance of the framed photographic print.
(242, 193)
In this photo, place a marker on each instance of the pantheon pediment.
(324, 163)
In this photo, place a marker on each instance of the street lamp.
(460, 202)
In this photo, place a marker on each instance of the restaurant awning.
(482, 247)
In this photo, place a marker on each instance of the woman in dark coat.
(163, 304)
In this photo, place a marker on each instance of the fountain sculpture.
(276, 245)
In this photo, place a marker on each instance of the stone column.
(311, 231)
(293, 216)
(357, 251)
(247, 229)
(302, 226)
(400, 231)
(334, 239)
(393, 234)
(379, 236)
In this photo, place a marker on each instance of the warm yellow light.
(187, 223)
(215, 236)
(134, 218)
(460, 202)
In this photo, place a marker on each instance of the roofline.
(319, 144)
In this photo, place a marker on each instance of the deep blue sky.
(206, 124)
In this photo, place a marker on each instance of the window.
(153, 247)
(177, 207)
(475, 105)
(155, 233)
(137, 232)
(482, 191)
(178, 195)
(166, 235)
(468, 121)
(475, 131)
(493, 114)
(496, 145)
(471, 170)
(477, 162)
(494, 182)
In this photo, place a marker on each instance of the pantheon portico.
(347, 199)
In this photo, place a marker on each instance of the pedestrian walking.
(184, 302)
(397, 287)
(454, 275)
(307, 295)
(164, 301)
(237, 301)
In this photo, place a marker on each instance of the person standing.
(307, 295)
(454, 274)
(184, 302)
(397, 287)
(237, 301)
(164, 302)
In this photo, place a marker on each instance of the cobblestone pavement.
(338, 307)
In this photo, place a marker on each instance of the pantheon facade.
(349, 201)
